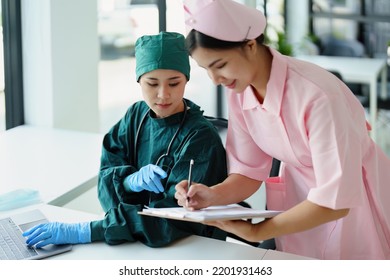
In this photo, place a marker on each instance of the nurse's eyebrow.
(214, 62)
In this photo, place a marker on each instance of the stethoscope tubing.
(135, 152)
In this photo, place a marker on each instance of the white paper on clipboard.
(212, 213)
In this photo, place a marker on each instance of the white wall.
(60, 58)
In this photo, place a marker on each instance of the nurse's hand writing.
(147, 178)
(58, 233)
(198, 196)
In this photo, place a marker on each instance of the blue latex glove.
(58, 233)
(147, 178)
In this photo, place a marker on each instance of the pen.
(190, 176)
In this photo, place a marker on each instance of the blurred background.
(108, 31)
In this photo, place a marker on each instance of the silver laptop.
(13, 244)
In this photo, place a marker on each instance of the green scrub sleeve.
(151, 231)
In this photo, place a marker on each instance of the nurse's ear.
(251, 47)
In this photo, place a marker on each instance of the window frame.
(13, 63)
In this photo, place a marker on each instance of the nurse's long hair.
(196, 39)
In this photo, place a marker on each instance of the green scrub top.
(197, 139)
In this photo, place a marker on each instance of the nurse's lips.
(232, 85)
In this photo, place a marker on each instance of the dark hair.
(196, 39)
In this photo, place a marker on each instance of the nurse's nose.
(163, 92)
(215, 78)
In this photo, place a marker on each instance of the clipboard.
(212, 213)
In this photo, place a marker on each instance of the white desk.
(190, 248)
(60, 164)
(357, 70)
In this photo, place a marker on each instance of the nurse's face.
(231, 68)
(163, 91)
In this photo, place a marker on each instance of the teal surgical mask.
(19, 198)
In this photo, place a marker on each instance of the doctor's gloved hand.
(147, 178)
(58, 233)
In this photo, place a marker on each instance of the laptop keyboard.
(12, 243)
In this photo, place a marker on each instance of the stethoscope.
(166, 154)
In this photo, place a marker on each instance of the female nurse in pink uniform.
(334, 182)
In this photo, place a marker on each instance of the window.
(120, 23)
(11, 65)
(200, 89)
(367, 21)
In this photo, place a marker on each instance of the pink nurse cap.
(224, 19)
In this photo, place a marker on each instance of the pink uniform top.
(317, 128)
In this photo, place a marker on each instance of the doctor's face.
(230, 68)
(163, 91)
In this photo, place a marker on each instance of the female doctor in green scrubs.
(146, 154)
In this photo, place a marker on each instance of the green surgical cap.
(163, 51)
